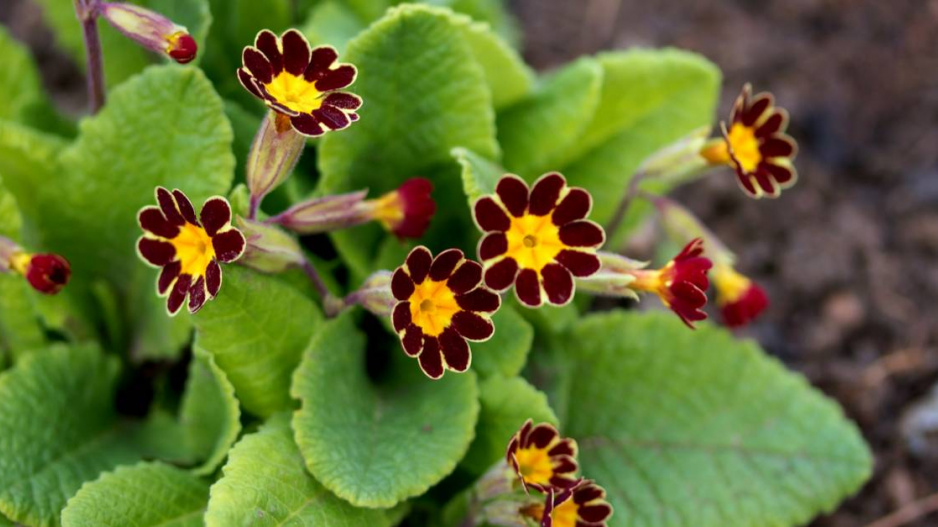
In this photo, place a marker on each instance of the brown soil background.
(848, 256)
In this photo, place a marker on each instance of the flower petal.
(229, 245)
(480, 300)
(307, 125)
(258, 65)
(402, 286)
(760, 104)
(418, 263)
(412, 340)
(185, 207)
(778, 146)
(215, 214)
(167, 276)
(466, 277)
(197, 295)
(248, 82)
(489, 216)
(501, 275)
(777, 122)
(401, 317)
(178, 295)
(581, 264)
(266, 43)
(513, 192)
(493, 245)
(332, 118)
(528, 288)
(444, 264)
(472, 326)
(213, 278)
(337, 79)
(545, 193)
(783, 175)
(344, 101)
(320, 60)
(295, 52)
(168, 205)
(558, 284)
(455, 350)
(156, 252)
(431, 359)
(152, 220)
(575, 206)
(582, 233)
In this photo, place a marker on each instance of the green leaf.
(492, 12)
(256, 330)
(20, 330)
(479, 175)
(697, 428)
(508, 77)
(210, 415)
(265, 484)
(142, 495)
(59, 430)
(424, 94)
(376, 445)
(507, 351)
(20, 89)
(332, 23)
(506, 404)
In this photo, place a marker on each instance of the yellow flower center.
(565, 515)
(729, 284)
(194, 249)
(432, 306)
(745, 146)
(534, 465)
(388, 210)
(19, 262)
(296, 93)
(533, 241)
(655, 281)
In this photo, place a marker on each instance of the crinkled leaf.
(697, 428)
(508, 77)
(507, 351)
(59, 430)
(479, 175)
(142, 495)
(375, 445)
(210, 414)
(257, 330)
(332, 23)
(492, 12)
(506, 404)
(265, 484)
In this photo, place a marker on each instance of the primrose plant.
(340, 202)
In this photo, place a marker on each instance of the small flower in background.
(681, 284)
(300, 84)
(441, 305)
(151, 30)
(581, 506)
(541, 458)
(537, 239)
(757, 146)
(740, 299)
(188, 249)
(406, 212)
(46, 273)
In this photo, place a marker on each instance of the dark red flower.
(182, 48)
(299, 83)
(584, 505)
(681, 284)
(740, 299)
(440, 305)
(46, 273)
(188, 249)
(541, 458)
(407, 211)
(537, 239)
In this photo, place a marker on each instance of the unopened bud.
(269, 249)
(274, 153)
(151, 30)
(375, 294)
(680, 161)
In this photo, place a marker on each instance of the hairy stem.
(87, 14)
(627, 199)
(331, 304)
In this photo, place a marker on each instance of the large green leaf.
(424, 94)
(142, 495)
(59, 430)
(375, 445)
(508, 77)
(265, 484)
(332, 23)
(20, 89)
(256, 330)
(210, 415)
(696, 428)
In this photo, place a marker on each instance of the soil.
(848, 256)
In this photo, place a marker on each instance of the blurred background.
(848, 255)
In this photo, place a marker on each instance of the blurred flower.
(541, 458)
(537, 240)
(582, 506)
(299, 84)
(756, 145)
(441, 305)
(46, 273)
(151, 30)
(406, 212)
(740, 299)
(188, 249)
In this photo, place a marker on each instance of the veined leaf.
(210, 416)
(479, 175)
(507, 351)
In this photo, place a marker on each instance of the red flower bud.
(407, 211)
(46, 273)
(182, 47)
(740, 299)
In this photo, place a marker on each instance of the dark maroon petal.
(400, 317)
(418, 263)
(151, 219)
(337, 79)
(216, 213)
(564, 464)
(542, 435)
(525, 432)
(465, 278)
(185, 207)
(746, 183)
(479, 300)
(493, 245)
(197, 295)
(740, 104)
(167, 276)
(545, 193)
(587, 493)
(156, 252)
(775, 123)
(783, 175)
(595, 513)
(431, 360)
(412, 341)
(444, 264)
(687, 294)
(178, 296)
(583, 233)
(777, 147)
(402, 286)
(512, 448)
(344, 101)
(513, 192)
(501, 275)
(759, 105)
(168, 205)
(213, 278)
(489, 216)
(693, 249)
(319, 63)
(764, 180)
(563, 482)
(575, 206)
(331, 117)
(257, 65)
(228, 245)
(307, 125)
(455, 350)
(565, 447)
(527, 288)
(248, 82)
(266, 42)
(580, 263)
(472, 326)
(749, 306)
(558, 284)
(295, 52)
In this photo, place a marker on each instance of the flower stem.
(253, 207)
(87, 14)
(627, 199)
(332, 305)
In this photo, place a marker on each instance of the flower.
(406, 212)
(740, 299)
(299, 84)
(757, 146)
(441, 305)
(541, 458)
(151, 30)
(46, 273)
(186, 248)
(537, 240)
(681, 284)
(581, 506)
